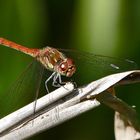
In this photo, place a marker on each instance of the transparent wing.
(23, 90)
(91, 67)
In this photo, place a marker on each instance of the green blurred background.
(106, 27)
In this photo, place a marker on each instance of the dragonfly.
(70, 63)
(49, 57)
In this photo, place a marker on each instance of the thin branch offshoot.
(66, 102)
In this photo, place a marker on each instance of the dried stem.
(66, 103)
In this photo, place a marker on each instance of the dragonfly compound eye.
(64, 66)
(71, 67)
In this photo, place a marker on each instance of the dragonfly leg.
(46, 82)
(58, 83)
(60, 80)
(55, 83)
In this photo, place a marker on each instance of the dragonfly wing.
(23, 90)
(91, 66)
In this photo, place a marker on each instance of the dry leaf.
(78, 101)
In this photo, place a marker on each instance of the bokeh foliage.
(103, 27)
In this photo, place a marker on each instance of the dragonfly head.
(66, 67)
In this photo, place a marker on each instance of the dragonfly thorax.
(54, 60)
